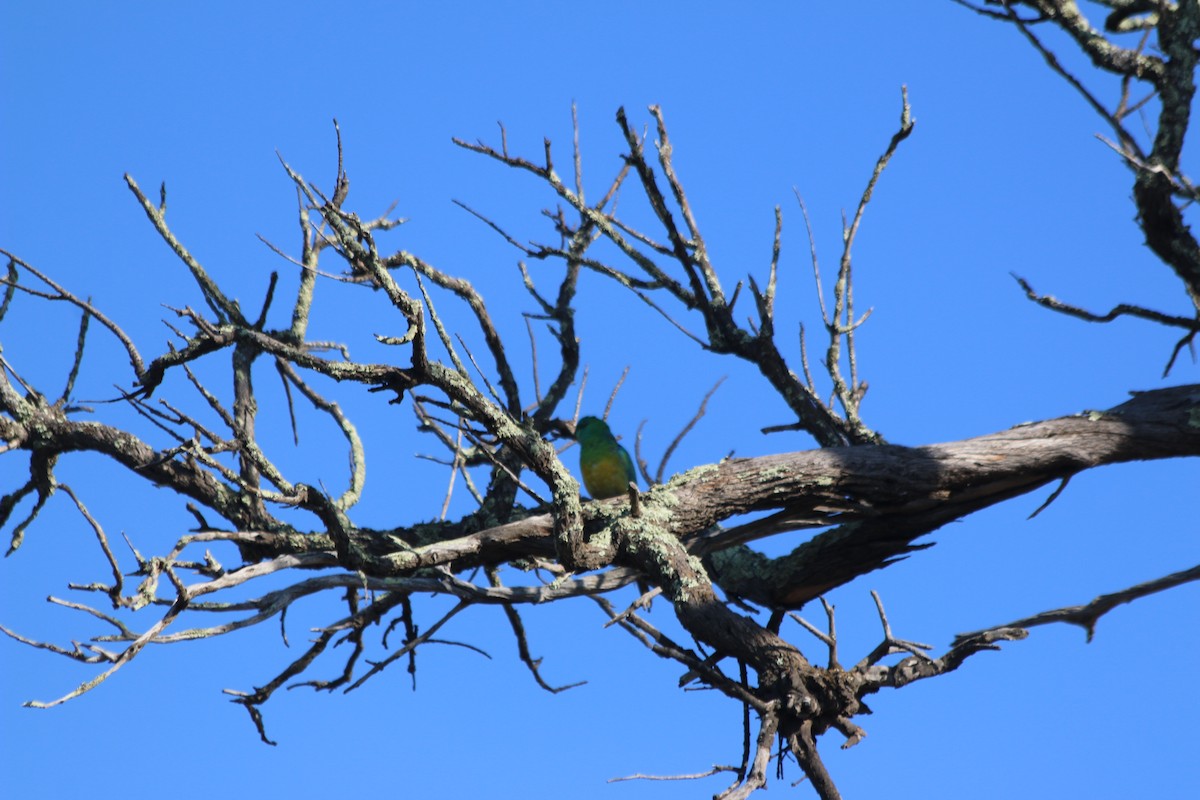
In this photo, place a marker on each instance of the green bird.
(606, 466)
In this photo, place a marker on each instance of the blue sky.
(1003, 174)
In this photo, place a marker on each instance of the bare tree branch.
(866, 503)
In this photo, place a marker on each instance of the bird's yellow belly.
(605, 478)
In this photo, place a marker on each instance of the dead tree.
(866, 502)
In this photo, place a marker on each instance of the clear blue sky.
(1002, 174)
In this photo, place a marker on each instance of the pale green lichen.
(647, 536)
(600, 542)
(1194, 418)
(681, 479)
(772, 474)
(661, 495)
(739, 565)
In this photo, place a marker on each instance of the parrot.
(606, 466)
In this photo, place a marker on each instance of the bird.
(606, 465)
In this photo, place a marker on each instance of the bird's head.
(592, 429)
